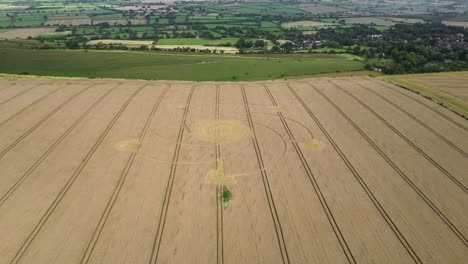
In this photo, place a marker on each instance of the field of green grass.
(150, 65)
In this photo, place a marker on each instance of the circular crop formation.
(221, 131)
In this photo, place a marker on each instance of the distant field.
(282, 41)
(305, 23)
(261, 8)
(139, 7)
(27, 32)
(320, 50)
(323, 9)
(449, 89)
(128, 43)
(111, 21)
(138, 65)
(69, 22)
(456, 23)
(404, 20)
(9, 7)
(369, 20)
(195, 41)
(231, 50)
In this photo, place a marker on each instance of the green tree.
(72, 44)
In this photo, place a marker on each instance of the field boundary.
(442, 98)
(448, 142)
(386, 85)
(5, 77)
(409, 142)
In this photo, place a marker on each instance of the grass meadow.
(173, 66)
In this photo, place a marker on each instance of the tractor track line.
(409, 142)
(448, 142)
(407, 179)
(384, 84)
(110, 204)
(50, 149)
(20, 253)
(358, 177)
(219, 191)
(31, 105)
(44, 119)
(315, 185)
(170, 181)
(266, 184)
(19, 94)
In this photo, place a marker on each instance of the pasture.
(168, 66)
(331, 170)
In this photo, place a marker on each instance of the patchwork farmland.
(331, 170)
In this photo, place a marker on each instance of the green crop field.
(137, 65)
